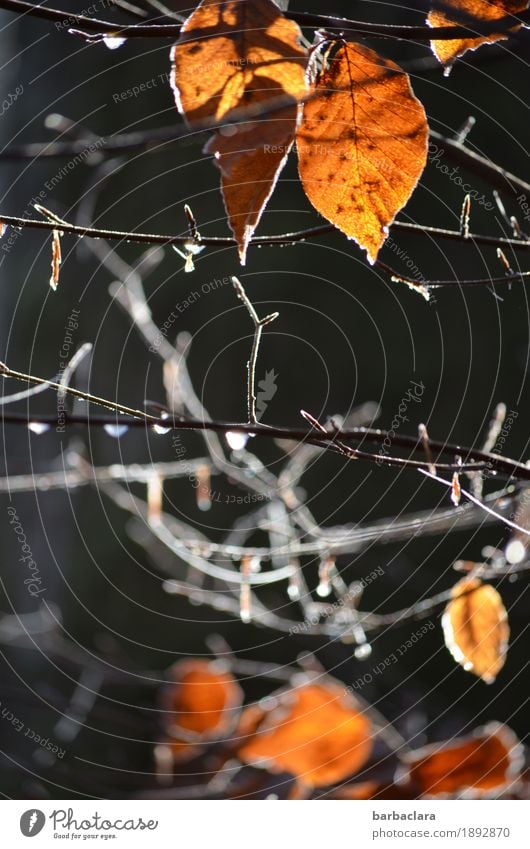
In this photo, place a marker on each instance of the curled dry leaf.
(203, 702)
(56, 259)
(315, 732)
(469, 13)
(232, 56)
(362, 144)
(476, 630)
(456, 492)
(486, 762)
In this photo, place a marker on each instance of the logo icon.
(32, 822)
(267, 391)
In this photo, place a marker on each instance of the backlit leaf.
(469, 13)
(488, 760)
(315, 732)
(230, 57)
(362, 144)
(476, 629)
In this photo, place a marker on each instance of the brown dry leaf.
(232, 56)
(315, 732)
(476, 630)
(362, 144)
(469, 12)
(456, 492)
(488, 760)
(56, 259)
(204, 700)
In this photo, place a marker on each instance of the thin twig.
(279, 239)
(493, 173)
(70, 478)
(5, 371)
(478, 503)
(439, 284)
(477, 460)
(259, 324)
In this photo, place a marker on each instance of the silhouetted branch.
(94, 27)
(279, 239)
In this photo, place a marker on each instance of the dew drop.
(160, 429)
(115, 430)
(323, 590)
(255, 565)
(363, 651)
(293, 591)
(236, 440)
(515, 551)
(113, 41)
(204, 504)
(38, 427)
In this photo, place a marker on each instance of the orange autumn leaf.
(230, 57)
(315, 732)
(362, 144)
(476, 630)
(250, 720)
(470, 13)
(204, 700)
(488, 760)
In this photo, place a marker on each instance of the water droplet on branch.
(38, 427)
(115, 430)
(236, 440)
(113, 41)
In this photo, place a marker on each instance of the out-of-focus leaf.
(316, 732)
(203, 702)
(487, 761)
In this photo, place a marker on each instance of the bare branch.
(259, 324)
(93, 28)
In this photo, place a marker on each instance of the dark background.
(346, 335)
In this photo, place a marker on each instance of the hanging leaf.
(470, 13)
(315, 732)
(362, 144)
(230, 57)
(56, 259)
(476, 630)
(203, 702)
(488, 760)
